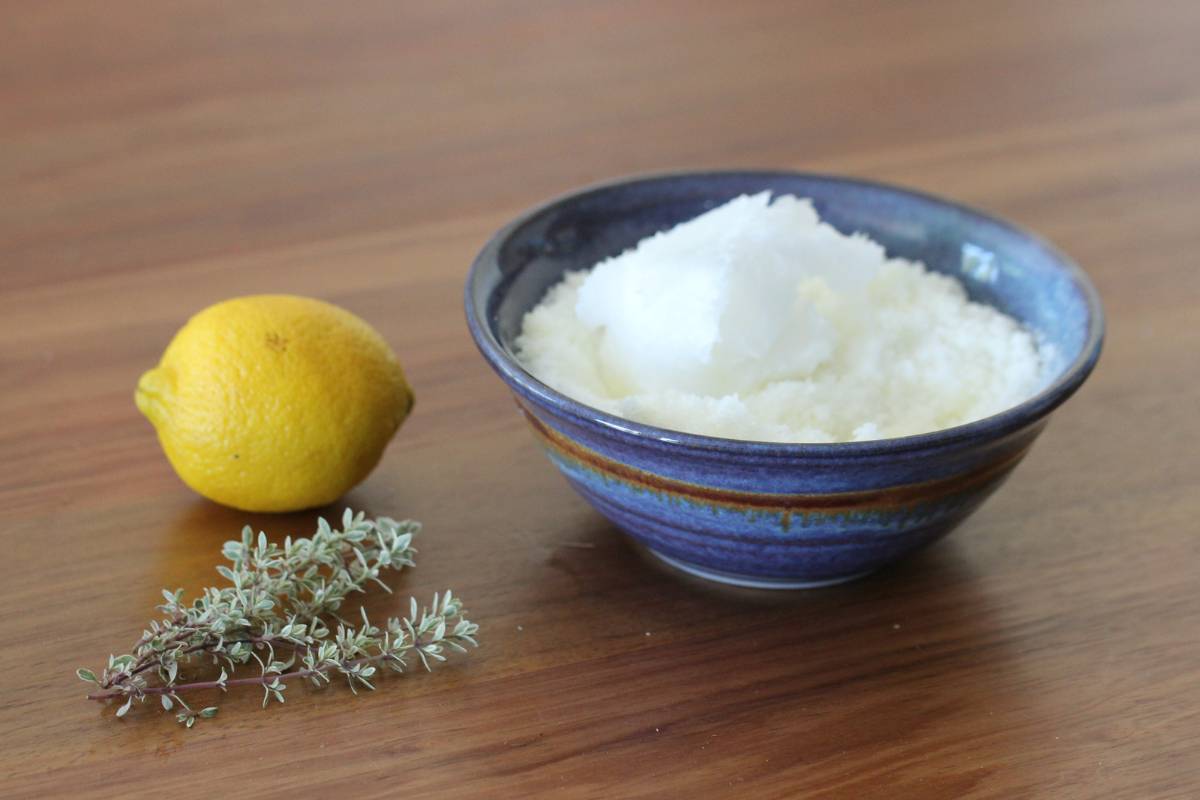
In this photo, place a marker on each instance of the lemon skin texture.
(275, 402)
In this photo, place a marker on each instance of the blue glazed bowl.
(768, 514)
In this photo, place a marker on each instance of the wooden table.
(155, 158)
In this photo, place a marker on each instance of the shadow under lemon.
(192, 547)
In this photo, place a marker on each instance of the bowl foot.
(751, 581)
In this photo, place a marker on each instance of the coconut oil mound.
(758, 321)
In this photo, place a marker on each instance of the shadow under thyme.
(286, 611)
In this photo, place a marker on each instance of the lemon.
(275, 402)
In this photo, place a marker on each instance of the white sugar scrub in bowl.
(758, 321)
(780, 379)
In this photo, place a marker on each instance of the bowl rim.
(999, 424)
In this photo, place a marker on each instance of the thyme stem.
(260, 680)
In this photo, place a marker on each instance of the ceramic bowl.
(769, 514)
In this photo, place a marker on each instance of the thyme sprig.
(277, 611)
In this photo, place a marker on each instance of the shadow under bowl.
(769, 514)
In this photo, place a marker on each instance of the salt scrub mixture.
(758, 321)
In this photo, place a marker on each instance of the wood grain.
(155, 160)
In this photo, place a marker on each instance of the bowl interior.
(999, 265)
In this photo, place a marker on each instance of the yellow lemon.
(275, 402)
